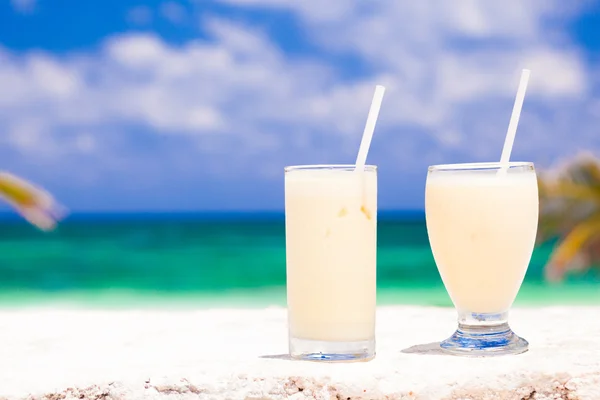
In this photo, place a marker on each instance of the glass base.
(317, 350)
(484, 341)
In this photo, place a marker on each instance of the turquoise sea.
(218, 259)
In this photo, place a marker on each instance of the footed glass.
(482, 223)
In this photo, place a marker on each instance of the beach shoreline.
(51, 353)
(426, 294)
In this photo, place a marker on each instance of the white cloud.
(237, 98)
(173, 11)
(237, 85)
(85, 143)
(24, 6)
(140, 15)
(453, 67)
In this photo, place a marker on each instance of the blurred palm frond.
(35, 204)
(570, 213)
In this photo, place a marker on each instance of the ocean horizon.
(408, 214)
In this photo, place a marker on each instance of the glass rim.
(480, 166)
(317, 167)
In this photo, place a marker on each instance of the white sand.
(216, 354)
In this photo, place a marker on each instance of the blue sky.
(197, 105)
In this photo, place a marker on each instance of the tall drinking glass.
(331, 239)
(482, 223)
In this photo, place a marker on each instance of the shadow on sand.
(278, 357)
(432, 349)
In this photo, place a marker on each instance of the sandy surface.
(240, 354)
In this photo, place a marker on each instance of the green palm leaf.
(570, 212)
(33, 203)
(570, 249)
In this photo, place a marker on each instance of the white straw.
(365, 143)
(514, 120)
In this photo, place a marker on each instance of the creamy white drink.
(331, 238)
(482, 222)
(482, 227)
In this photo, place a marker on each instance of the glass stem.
(482, 322)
